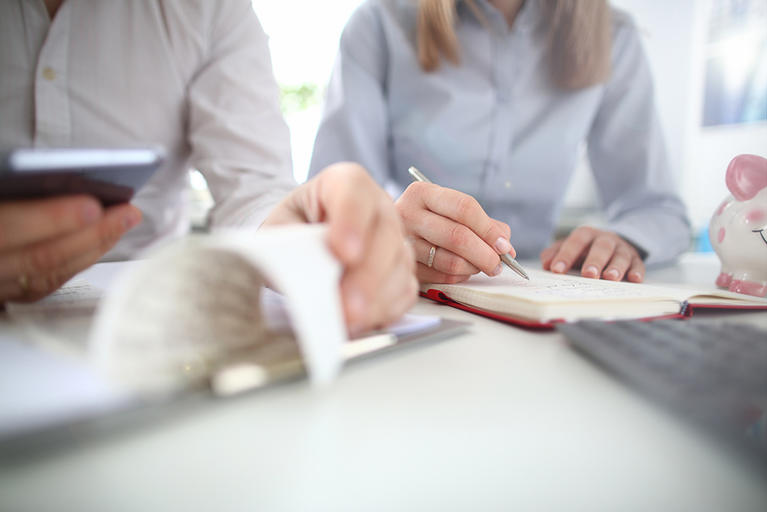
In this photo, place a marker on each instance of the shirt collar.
(528, 18)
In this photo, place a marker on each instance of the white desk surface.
(497, 419)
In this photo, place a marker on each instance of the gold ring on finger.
(432, 252)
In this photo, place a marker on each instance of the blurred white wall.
(303, 40)
(674, 38)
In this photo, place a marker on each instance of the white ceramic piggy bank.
(738, 229)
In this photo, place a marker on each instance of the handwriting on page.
(207, 303)
(547, 286)
(77, 294)
(195, 305)
(177, 321)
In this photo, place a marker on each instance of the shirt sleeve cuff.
(657, 240)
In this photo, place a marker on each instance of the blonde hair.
(578, 38)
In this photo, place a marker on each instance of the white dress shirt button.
(49, 73)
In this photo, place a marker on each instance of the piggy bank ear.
(746, 176)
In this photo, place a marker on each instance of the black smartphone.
(111, 175)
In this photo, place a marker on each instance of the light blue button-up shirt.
(498, 128)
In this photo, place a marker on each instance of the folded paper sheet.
(184, 311)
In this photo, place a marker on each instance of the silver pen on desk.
(508, 260)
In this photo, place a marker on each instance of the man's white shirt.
(192, 76)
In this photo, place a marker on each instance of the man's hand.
(599, 254)
(367, 237)
(43, 243)
(465, 240)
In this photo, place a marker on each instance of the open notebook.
(548, 298)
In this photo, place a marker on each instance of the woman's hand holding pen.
(366, 235)
(599, 254)
(452, 235)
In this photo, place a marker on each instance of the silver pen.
(508, 260)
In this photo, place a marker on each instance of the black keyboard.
(712, 373)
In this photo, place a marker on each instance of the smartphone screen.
(111, 175)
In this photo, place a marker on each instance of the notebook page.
(546, 287)
(77, 294)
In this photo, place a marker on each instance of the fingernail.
(636, 276)
(590, 271)
(91, 212)
(558, 267)
(353, 245)
(502, 245)
(497, 270)
(611, 274)
(131, 219)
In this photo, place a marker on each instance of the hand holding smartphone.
(61, 210)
